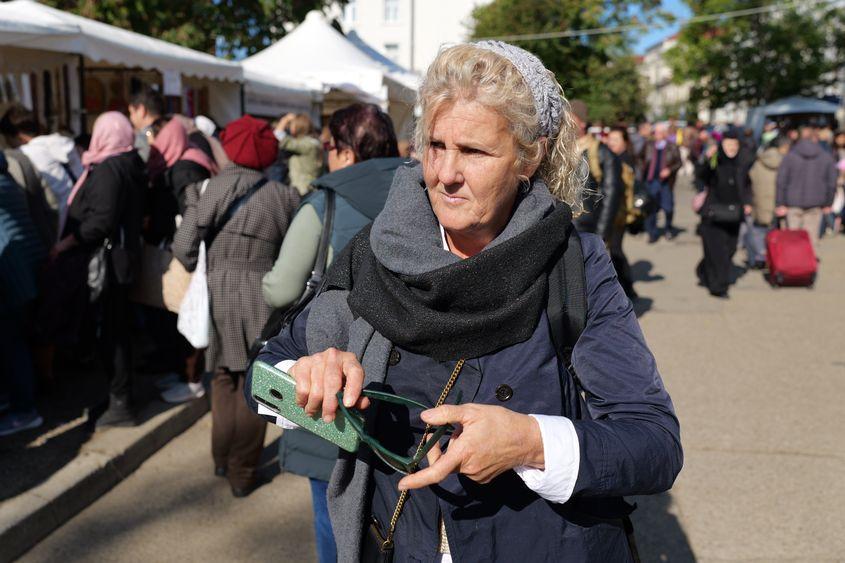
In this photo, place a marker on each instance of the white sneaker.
(167, 381)
(183, 392)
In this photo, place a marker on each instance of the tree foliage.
(227, 28)
(760, 58)
(598, 69)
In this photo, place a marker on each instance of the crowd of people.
(202, 237)
(794, 177)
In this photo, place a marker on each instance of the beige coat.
(763, 176)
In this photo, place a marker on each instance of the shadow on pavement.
(659, 534)
(641, 271)
(642, 305)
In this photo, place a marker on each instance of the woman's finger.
(332, 383)
(448, 463)
(445, 414)
(315, 396)
(301, 372)
(354, 380)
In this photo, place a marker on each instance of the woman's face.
(616, 142)
(469, 171)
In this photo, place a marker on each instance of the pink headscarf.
(112, 135)
(173, 145)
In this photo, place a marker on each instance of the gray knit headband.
(547, 99)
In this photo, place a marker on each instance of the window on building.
(350, 11)
(391, 10)
(391, 51)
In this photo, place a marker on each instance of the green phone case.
(276, 390)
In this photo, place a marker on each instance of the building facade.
(409, 32)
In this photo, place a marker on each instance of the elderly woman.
(455, 291)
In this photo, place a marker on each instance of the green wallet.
(276, 390)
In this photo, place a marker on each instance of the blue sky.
(649, 38)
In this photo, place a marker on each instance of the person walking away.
(661, 162)
(763, 177)
(724, 174)
(363, 156)
(295, 135)
(806, 184)
(105, 211)
(21, 256)
(145, 108)
(242, 218)
(604, 179)
(617, 142)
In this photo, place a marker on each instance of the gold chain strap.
(388, 543)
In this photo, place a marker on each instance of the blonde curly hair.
(467, 72)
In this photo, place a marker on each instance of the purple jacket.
(806, 177)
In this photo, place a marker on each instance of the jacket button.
(394, 357)
(504, 392)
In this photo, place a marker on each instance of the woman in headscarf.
(104, 210)
(242, 218)
(458, 290)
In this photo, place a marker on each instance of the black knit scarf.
(465, 309)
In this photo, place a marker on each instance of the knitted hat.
(250, 142)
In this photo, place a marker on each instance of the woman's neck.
(463, 246)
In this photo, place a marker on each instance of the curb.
(101, 464)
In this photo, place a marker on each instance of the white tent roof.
(393, 70)
(317, 51)
(40, 27)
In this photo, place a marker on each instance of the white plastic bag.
(195, 312)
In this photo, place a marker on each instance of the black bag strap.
(280, 318)
(567, 312)
(567, 307)
(238, 202)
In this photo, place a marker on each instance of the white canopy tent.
(316, 51)
(272, 96)
(64, 43)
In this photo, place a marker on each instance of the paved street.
(758, 382)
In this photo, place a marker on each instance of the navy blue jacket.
(630, 446)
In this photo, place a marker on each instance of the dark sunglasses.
(402, 464)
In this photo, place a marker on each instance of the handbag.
(723, 212)
(147, 287)
(98, 270)
(174, 285)
(194, 322)
(377, 547)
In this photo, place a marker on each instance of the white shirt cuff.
(562, 454)
(282, 422)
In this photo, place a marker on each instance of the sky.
(647, 39)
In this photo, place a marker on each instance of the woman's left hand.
(489, 441)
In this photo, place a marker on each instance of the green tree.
(229, 28)
(597, 68)
(758, 58)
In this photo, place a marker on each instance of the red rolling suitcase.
(790, 257)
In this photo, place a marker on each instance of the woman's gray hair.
(515, 84)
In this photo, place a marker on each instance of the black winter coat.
(727, 181)
(601, 206)
(110, 205)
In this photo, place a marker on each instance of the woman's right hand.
(319, 377)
